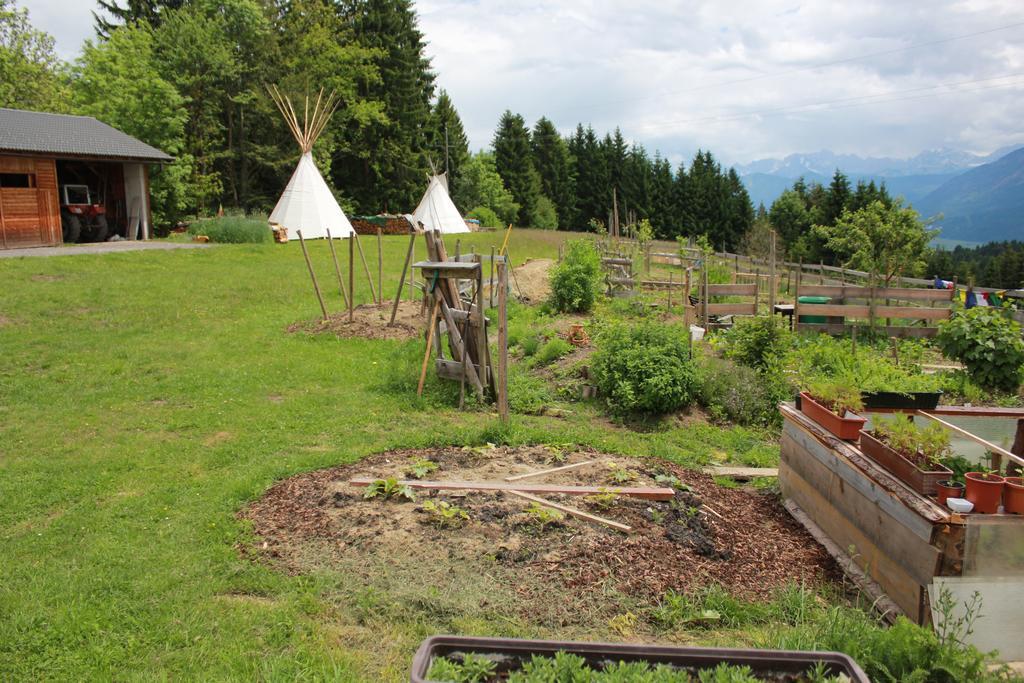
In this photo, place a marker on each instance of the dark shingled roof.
(60, 135)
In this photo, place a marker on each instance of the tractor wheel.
(71, 227)
(99, 229)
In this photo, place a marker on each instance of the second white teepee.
(307, 204)
(436, 210)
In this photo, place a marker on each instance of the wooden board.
(742, 472)
(732, 290)
(912, 312)
(890, 330)
(573, 511)
(860, 292)
(30, 216)
(645, 492)
(852, 311)
(732, 309)
(553, 470)
(904, 548)
(906, 592)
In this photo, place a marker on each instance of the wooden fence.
(873, 304)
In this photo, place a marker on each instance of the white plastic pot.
(696, 333)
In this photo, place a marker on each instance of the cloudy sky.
(745, 79)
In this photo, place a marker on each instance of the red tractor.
(82, 220)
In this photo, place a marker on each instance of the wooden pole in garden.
(401, 279)
(502, 341)
(312, 275)
(771, 277)
(380, 268)
(704, 297)
(668, 305)
(366, 268)
(490, 290)
(351, 277)
(337, 270)
(430, 340)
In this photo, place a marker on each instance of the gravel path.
(99, 248)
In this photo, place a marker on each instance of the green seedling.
(672, 481)
(421, 468)
(619, 474)
(445, 515)
(472, 669)
(543, 517)
(657, 516)
(605, 500)
(387, 489)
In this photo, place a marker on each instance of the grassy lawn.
(146, 397)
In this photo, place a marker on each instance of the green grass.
(233, 229)
(146, 397)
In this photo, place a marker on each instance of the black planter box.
(510, 653)
(914, 400)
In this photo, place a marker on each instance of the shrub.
(554, 349)
(644, 369)
(757, 341)
(232, 229)
(987, 343)
(576, 281)
(544, 215)
(487, 217)
(741, 395)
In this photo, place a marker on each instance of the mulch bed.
(741, 539)
(369, 321)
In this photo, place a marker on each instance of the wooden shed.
(71, 178)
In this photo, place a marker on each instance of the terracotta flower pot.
(1013, 495)
(985, 491)
(846, 428)
(948, 489)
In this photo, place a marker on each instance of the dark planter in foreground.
(922, 481)
(912, 400)
(509, 654)
(846, 428)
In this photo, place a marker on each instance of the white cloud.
(737, 78)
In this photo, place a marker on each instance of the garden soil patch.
(370, 321)
(532, 280)
(740, 539)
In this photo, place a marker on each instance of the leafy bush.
(232, 229)
(544, 215)
(741, 395)
(576, 281)
(644, 369)
(987, 343)
(757, 341)
(487, 217)
(555, 348)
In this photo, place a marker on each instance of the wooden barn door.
(29, 208)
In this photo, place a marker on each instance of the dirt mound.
(742, 540)
(531, 280)
(370, 321)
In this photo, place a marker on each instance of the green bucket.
(813, 319)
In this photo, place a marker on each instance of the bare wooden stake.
(503, 342)
(430, 341)
(401, 280)
(366, 268)
(312, 275)
(573, 511)
(553, 470)
(644, 492)
(351, 277)
(380, 268)
(337, 270)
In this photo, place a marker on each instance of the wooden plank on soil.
(742, 472)
(898, 585)
(541, 473)
(573, 511)
(648, 493)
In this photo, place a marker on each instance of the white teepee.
(436, 210)
(307, 204)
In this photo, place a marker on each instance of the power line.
(813, 67)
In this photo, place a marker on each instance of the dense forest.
(996, 264)
(189, 77)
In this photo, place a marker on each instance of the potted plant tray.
(509, 654)
(924, 482)
(893, 400)
(846, 428)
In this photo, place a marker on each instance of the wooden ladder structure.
(462, 319)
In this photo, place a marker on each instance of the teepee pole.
(366, 268)
(401, 280)
(337, 269)
(312, 275)
(380, 268)
(351, 280)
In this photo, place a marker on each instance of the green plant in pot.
(832, 405)
(985, 490)
(916, 455)
(954, 486)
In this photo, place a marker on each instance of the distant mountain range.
(981, 197)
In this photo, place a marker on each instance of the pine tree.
(389, 173)
(513, 158)
(554, 165)
(112, 14)
(593, 198)
(838, 198)
(446, 129)
(662, 214)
